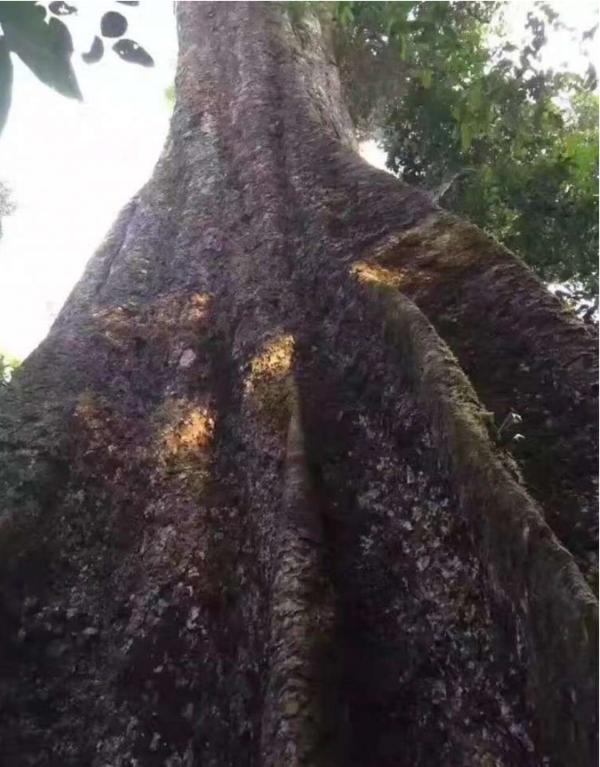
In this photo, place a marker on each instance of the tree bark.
(256, 508)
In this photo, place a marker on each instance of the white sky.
(71, 166)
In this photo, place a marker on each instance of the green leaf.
(113, 24)
(466, 136)
(61, 8)
(403, 44)
(95, 53)
(475, 98)
(344, 12)
(133, 52)
(426, 77)
(46, 48)
(6, 77)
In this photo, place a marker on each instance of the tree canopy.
(496, 137)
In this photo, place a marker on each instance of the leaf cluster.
(37, 34)
(448, 104)
(8, 365)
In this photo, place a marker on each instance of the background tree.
(509, 145)
(262, 499)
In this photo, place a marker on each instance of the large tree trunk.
(256, 510)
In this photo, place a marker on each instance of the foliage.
(390, 44)
(8, 365)
(170, 94)
(46, 46)
(522, 142)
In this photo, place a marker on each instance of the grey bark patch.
(187, 358)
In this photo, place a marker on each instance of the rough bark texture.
(256, 510)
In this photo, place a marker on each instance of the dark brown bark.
(254, 511)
